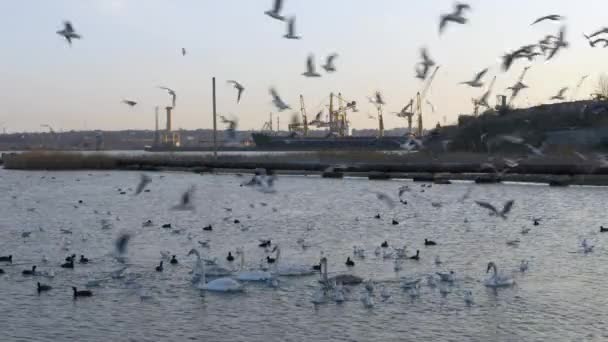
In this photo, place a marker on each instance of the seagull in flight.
(143, 182)
(172, 93)
(68, 32)
(239, 87)
(183, 51)
(377, 99)
(385, 198)
(426, 64)
(232, 124)
(275, 12)
(310, 67)
(476, 82)
(519, 86)
(455, 17)
(597, 33)
(186, 200)
(523, 52)
(329, 64)
(560, 43)
(593, 43)
(553, 17)
(129, 102)
(277, 101)
(560, 94)
(494, 212)
(291, 29)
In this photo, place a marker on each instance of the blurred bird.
(291, 29)
(240, 89)
(183, 51)
(552, 17)
(476, 82)
(186, 200)
(422, 68)
(455, 17)
(143, 182)
(519, 86)
(597, 33)
(129, 102)
(494, 212)
(277, 101)
(275, 12)
(172, 93)
(385, 198)
(559, 44)
(232, 124)
(310, 67)
(122, 242)
(68, 32)
(560, 94)
(329, 64)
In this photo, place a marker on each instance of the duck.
(166, 225)
(395, 222)
(377, 216)
(81, 293)
(536, 222)
(83, 260)
(265, 243)
(236, 221)
(173, 260)
(416, 257)
(230, 257)
(349, 262)
(270, 260)
(208, 228)
(317, 267)
(523, 266)
(497, 279)
(8, 258)
(384, 244)
(70, 258)
(43, 287)
(429, 242)
(30, 272)
(69, 264)
(603, 230)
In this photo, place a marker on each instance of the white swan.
(497, 279)
(319, 297)
(367, 300)
(287, 270)
(409, 283)
(345, 279)
(338, 293)
(468, 297)
(250, 275)
(218, 285)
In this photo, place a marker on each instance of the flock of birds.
(548, 47)
(209, 275)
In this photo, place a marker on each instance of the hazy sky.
(130, 47)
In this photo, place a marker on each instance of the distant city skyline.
(131, 47)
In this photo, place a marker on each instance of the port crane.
(420, 96)
(338, 121)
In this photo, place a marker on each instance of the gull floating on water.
(455, 17)
(68, 32)
(239, 87)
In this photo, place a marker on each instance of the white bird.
(240, 89)
(319, 296)
(409, 283)
(525, 231)
(455, 17)
(218, 285)
(497, 279)
(438, 260)
(587, 248)
(275, 12)
(277, 101)
(367, 300)
(468, 297)
(310, 67)
(494, 212)
(476, 81)
(291, 29)
(329, 64)
(560, 94)
(250, 275)
(287, 270)
(523, 266)
(338, 293)
(68, 32)
(552, 17)
(172, 93)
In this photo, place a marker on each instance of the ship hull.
(282, 143)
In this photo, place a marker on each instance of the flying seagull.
(553, 17)
(143, 182)
(494, 212)
(522, 52)
(129, 102)
(560, 43)
(329, 64)
(377, 99)
(275, 12)
(291, 29)
(68, 32)
(597, 33)
(122, 242)
(310, 67)
(172, 93)
(519, 86)
(231, 130)
(185, 200)
(277, 101)
(455, 17)
(593, 43)
(183, 51)
(239, 87)
(385, 198)
(422, 68)
(560, 94)
(476, 82)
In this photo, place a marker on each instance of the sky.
(130, 47)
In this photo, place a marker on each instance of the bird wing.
(278, 4)
(461, 7)
(487, 206)
(68, 27)
(562, 91)
(547, 17)
(310, 64)
(480, 75)
(507, 208)
(602, 31)
(291, 26)
(330, 59)
(274, 94)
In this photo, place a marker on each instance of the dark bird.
(560, 94)
(230, 257)
(144, 180)
(183, 51)
(455, 17)
(173, 260)
(240, 89)
(122, 242)
(384, 244)
(559, 44)
(185, 200)
(395, 222)
(603, 230)
(476, 81)
(349, 262)
(236, 221)
(377, 216)
(70, 258)
(83, 260)
(166, 225)
(291, 29)
(593, 43)
(82, 293)
(43, 287)
(275, 12)
(329, 63)
(159, 268)
(597, 33)
(68, 32)
(69, 264)
(311, 70)
(271, 260)
(494, 212)
(536, 222)
(129, 102)
(265, 243)
(552, 17)
(523, 52)
(8, 258)
(417, 256)
(208, 228)
(429, 242)
(423, 67)
(316, 267)
(30, 272)
(277, 101)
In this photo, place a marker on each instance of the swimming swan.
(497, 279)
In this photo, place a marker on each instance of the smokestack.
(169, 118)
